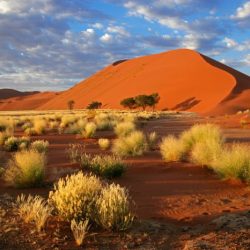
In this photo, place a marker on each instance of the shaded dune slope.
(185, 80)
(8, 93)
(29, 102)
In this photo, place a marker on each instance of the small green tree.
(71, 104)
(152, 100)
(141, 101)
(128, 103)
(94, 105)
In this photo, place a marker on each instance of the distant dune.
(28, 102)
(184, 79)
(8, 93)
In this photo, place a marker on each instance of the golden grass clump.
(103, 121)
(172, 149)
(124, 128)
(108, 166)
(26, 169)
(79, 230)
(152, 139)
(39, 126)
(74, 197)
(133, 144)
(206, 152)
(33, 209)
(234, 163)
(89, 130)
(113, 208)
(104, 143)
(200, 133)
(40, 146)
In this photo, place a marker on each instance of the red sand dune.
(29, 102)
(185, 80)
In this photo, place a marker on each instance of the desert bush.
(77, 127)
(172, 149)
(124, 128)
(104, 143)
(113, 208)
(75, 151)
(11, 144)
(234, 163)
(33, 209)
(107, 166)
(6, 125)
(40, 146)
(30, 131)
(132, 145)
(79, 230)
(199, 133)
(89, 130)
(26, 169)
(1, 171)
(3, 137)
(27, 125)
(74, 197)
(39, 126)
(205, 153)
(103, 121)
(67, 119)
(152, 139)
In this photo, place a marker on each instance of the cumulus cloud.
(242, 15)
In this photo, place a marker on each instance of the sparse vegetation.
(172, 149)
(152, 139)
(234, 163)
(79, 230)
(124, 128)
(40, 146)
(26, 169)
(104, 143)
(113, 208)
(133, 144)
(107, 166)
(33, 209)
(74, 197)
(89, 130)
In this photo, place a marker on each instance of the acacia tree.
(153, 99)
(94, 105)
(71, 104)
(128, 103)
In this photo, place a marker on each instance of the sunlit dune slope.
(184, 79)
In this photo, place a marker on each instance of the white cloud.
(243, 11)
(230, 43)
(106, 38)
(118, 29)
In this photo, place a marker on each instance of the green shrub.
(124, 128)
(113, 208)
(107, 166)
(104, 143)
(40, 146)
(234, 163)
(172, 149)
(74, 197)
(132, 145)
(26, 169)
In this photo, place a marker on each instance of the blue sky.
(52, 44)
